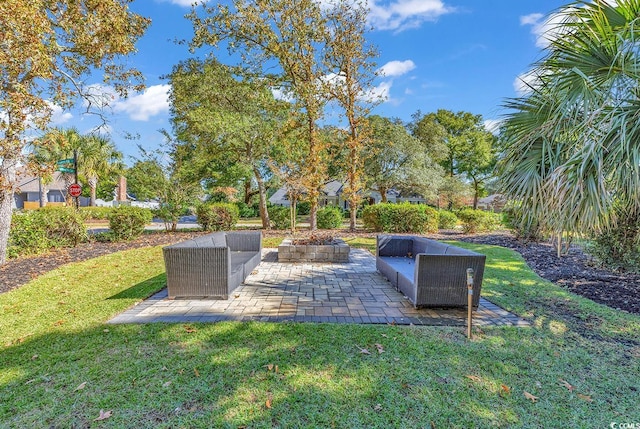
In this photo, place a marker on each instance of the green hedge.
(41, 230)
(447, 219)
(474, 221)
(96, 213)
(218, 216)
(330, 217)
(280, 217)
(127, 223)
(247, 211)
(405, 217)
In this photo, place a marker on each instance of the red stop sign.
(75, 190)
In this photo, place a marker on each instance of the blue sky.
(437, 54)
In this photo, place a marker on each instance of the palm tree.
(55, 145)
(572, 144)
(98, 158)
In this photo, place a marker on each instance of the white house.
(332, 195)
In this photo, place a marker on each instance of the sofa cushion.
(238, 259)
(404, 266)
(430, 247)
(389, 245)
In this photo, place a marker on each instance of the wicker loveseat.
(213, 265)
(428, 272)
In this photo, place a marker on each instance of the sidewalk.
(351, 292)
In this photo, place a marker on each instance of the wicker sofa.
(211, 266)
(428, 272)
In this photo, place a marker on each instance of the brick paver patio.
(351, 292)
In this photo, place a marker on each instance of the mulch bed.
(576, 271)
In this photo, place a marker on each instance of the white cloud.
(58, 116)
(525, 83)
(493, 125)
(531, 19)
(545, 29)
(184, 3)
(378, 93)
(396, 68)
(153, 101)
(402, 14)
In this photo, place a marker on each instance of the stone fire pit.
(336, 251)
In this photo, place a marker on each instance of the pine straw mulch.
(576, 271)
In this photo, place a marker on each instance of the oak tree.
(47, 50)
(282, 41)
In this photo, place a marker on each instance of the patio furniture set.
(429, 273)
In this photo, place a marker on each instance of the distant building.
(493, 203)
(28, 186)
(332, 196)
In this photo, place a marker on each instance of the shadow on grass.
(316, 375)
(236, 375)
(143, 290)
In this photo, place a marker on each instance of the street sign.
(65, 161)
(66, 170)
(75, 190)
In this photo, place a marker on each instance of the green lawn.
(60, 364)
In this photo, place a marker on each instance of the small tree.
(166, 184)
(350, 58)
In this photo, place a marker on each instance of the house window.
(55, 198)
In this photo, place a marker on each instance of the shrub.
(27, 235)
(329, 217)
(218, 216)
(524, 227)
(618, 247)
(447, 219)
(127, 222)
(474, 221)
(96, 213)
(246, 210)
(65, 226)
(303, 208)
(280, 217)
(40, 230)
(405, 217)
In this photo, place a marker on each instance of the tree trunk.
(353, 211)
(292, 214)
(93, 185)
(313, 214)
(11, 148)
(247, 191)
(44, 190)
(8, 170)
(475, 195)
(6, 197)
(264, 213)
(68, 180)
(383, 194)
